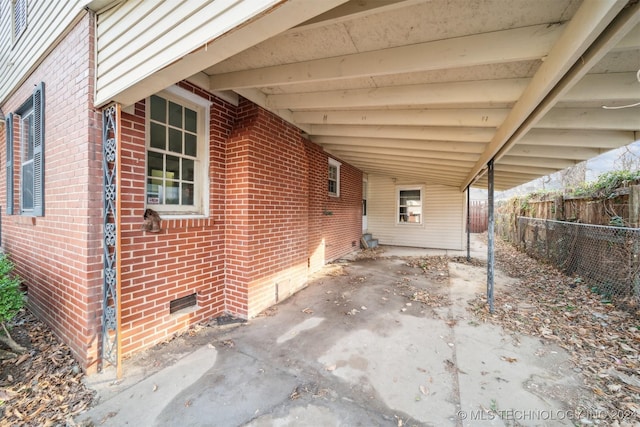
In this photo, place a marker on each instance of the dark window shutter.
(38, 150)
(9, 165)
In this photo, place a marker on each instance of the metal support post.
(490, 238)
(468, 223)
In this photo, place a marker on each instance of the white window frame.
(420, 211)
(333, 163)
(202, 106)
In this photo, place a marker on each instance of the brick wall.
(267, 207)
(335, 223)
(265, 233)
(59, 255)
(187, 257)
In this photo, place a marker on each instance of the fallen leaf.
(424, 390)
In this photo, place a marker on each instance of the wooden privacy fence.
(478, 216)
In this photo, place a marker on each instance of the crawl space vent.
(182, 303)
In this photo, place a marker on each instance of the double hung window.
(334, 178)
(176, 178)
(409, 206)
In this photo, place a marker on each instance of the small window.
(410, 206)
(177, 174)
(19, 15)
(334, 178)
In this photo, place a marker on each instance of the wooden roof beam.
(481, 117)
(591, 19)
(480, 92)
(514, 45)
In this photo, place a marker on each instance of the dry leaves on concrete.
(604, 341)
(370, 253)
(44, 386)
(436, 269)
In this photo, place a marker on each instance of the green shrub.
(11, 298)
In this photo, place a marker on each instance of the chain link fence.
(606, 258)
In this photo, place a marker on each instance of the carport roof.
(432, 90)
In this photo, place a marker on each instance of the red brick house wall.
(267, 204)
(267, 228)
(254, 249)
(59, 255)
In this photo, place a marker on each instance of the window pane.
(333, 173)
(403, 215)
(333, 187)
(158, 109)
(187, 194)
(27, 185)
(175, 141)
(154, 191)
(187, 169)
(154, 164)
(173, 168)
(158, 136)
(410, 197)
(190, 120)
(175, 114)
(190, 145)
(171, 192)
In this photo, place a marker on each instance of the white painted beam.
(400, 144)
(484, 117)
(605, 87)
(591, 19)
(411, 153)
(430, 133)
(590, 119)
(540, 171)
(569, 153)
(415, 168)
(627, 20)
(381, 158)
(523, 176)
(519, 44)
(630, 41)
(435, 176)
(476, 93)
(557, 164)
(578, 138)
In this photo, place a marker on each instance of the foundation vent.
(182, 303)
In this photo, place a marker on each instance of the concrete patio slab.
(354, 348)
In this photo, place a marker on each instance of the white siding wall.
(137, 38)
(443, 209)
(47, 22)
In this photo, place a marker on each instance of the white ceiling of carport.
(431, 90)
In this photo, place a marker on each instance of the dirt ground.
(46, 387)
